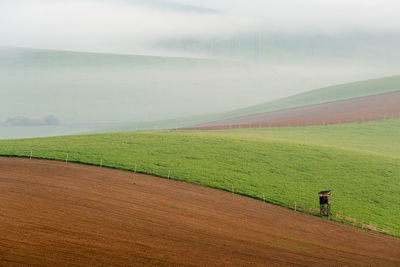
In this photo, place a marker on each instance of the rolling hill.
(116, 88)
(92, 88)
(85, 91)
(327, 95)
(13, 57)
(359, 162)
(375, 107)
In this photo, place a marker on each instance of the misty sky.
(124, 26)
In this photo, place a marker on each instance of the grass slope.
(366, 184)
(325, 95)
(374, 137)
(314, 97)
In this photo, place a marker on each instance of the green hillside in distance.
(326, 95)
(12, 57)
(314, 97)
(365, 177)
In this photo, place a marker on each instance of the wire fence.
(167, 173)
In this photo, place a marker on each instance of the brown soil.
(54, 213)
(369, 108)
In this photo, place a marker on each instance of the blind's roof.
(325, 192)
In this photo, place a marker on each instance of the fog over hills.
(288, 48)
(106, 88)
(94, 64)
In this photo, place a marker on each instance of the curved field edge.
(365, 187)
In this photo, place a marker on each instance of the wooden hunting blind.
(325, 203)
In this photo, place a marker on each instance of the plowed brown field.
(369, 108)
(54, 213)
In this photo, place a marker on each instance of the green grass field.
(359, 162)
(374, 137)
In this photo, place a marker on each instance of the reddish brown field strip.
(53, 213)
(369, 108)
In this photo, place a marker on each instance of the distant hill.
(324, 95)
(287, 48)
(41, 58)
(314, 97)
(81, 87)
